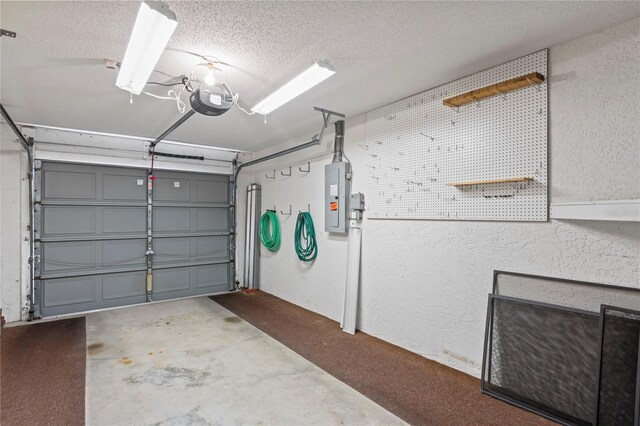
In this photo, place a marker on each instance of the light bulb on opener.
(210, 79)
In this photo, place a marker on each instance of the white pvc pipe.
(350, 305)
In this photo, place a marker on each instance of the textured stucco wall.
(595, 105)
(424, 284)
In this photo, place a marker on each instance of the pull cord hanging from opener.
(270, 231)
(305, 238)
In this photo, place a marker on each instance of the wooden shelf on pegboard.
(484, 182)
(495, 89)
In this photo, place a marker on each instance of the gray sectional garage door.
(92, 236)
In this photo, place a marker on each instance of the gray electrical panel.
(337, 190)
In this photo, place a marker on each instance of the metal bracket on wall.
(286, 213)
(307, 170)
(326, 116)
(308, 209)
(286, 174)
(270, 177)
(7, 33)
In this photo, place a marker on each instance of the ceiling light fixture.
(154, 26)
(210, 79)
(313, 75)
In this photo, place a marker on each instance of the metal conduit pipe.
(338, 146)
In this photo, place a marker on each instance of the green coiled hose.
(270, 231)
(305, 238)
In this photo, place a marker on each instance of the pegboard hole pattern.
(417, 145)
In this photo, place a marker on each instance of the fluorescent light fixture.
(313, 75)
(151, 33)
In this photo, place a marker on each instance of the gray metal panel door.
(191, 238)
(92, 229)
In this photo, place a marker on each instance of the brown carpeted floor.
(420, 391)
(43, 373)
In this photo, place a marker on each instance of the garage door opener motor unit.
(213, 101)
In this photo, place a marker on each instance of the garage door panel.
(192, 281)
(210, 220)
(125, 286)
(68, 256)
(207, 191)
(190, 188)
(166, 280)
(120, 253)
(76, 256)
(93, 221)
(123, 220)
(215, 276)
(169, 250)
(67, 291)
(171, 219)
(168, 220)
(68, 220)
(69, 185)
(79, 294)
(92, 184)
(171, 189)
(211, 248)
(119, 187)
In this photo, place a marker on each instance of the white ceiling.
(382, 51)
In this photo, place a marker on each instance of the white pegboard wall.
(417, 145)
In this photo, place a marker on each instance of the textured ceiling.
(382, 51)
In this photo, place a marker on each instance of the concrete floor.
(193, 362)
